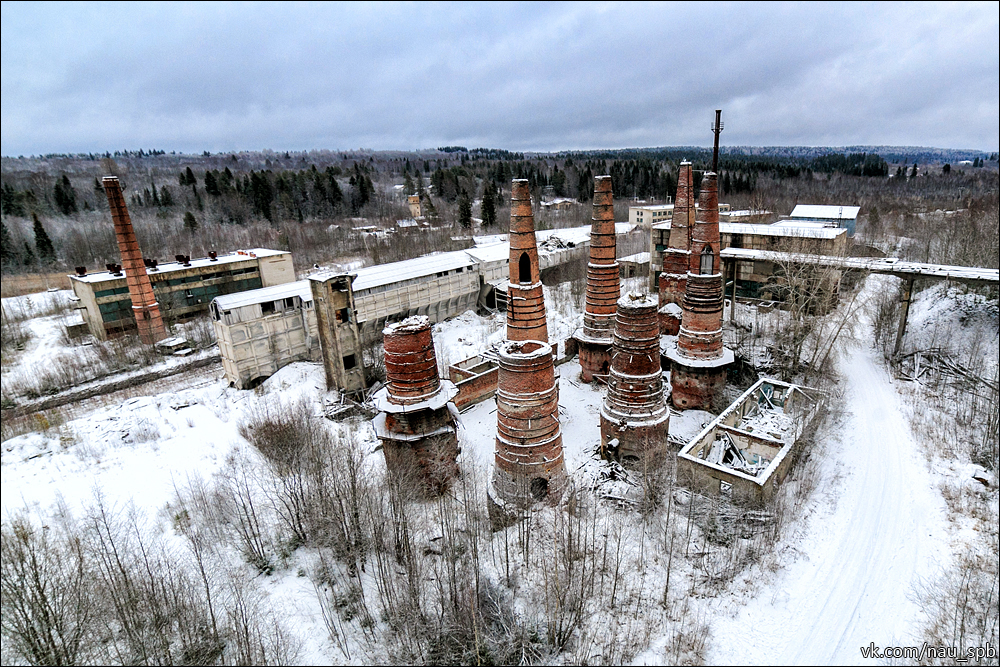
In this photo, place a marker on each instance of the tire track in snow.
(853, 582)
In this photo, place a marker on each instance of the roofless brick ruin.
(417, 420)
(144, 306)
(528, 463)
(603, 287)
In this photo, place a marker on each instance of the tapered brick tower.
(677, 256)
(148, 320)
(634, 417)
(416, 422)
(603, 288)
(528, 462)
(525, 302)
(698, 358)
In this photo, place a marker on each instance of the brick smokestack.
(698, 356)
(603, 288)
(676, 257)
(634, 417)
(416, 422)
(528, 465)
(148, 320)
(525, 302)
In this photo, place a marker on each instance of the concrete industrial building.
(182, 288)
(263, 330)
(784, 236)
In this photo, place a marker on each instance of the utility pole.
(717, 129)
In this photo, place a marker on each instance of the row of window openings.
(177, 281)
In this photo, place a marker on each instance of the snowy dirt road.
(875, 528)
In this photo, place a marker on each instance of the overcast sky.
(220, 77)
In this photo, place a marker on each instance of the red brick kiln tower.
(697, 357)
(677, 256)
(603, 289)
(634, 417)
(416, 422)
(148, 320)
(528, 463)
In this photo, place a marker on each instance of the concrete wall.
(254, 346)
(339, 336)
(276, 270)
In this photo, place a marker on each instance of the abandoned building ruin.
(145, 309)
(336, 323)
(698, 358)
(416, 420)
(528, 463)
(603, 288)
(677, 255)
(745, 452)
(634, 416)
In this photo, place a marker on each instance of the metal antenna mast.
(717, 129)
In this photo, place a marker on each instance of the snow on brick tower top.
(410, 363)
(148, 320)
(635, 412)
(525, 302)
(603, 288)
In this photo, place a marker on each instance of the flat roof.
(795, 229)
(637, 258)
(818, 212)
(201, 262)
(299, 288)
(653, 207)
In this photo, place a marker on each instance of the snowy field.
(843, 573)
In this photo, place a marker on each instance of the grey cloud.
(190, 77)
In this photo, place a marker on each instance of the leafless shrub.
(47, 598)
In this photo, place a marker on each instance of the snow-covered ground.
(874, 527)
(873, 531)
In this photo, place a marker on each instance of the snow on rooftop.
(385, 274)
(299, 288)
(167, 267)
(794, 229)
(637, 258)
(817, 212)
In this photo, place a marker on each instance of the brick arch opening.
(524, 268)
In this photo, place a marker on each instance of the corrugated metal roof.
(817, 212)
(385, 274)
(299, 288)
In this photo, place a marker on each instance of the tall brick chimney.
(144, 307)
(528, 462)
(603, 288)
(677, 255)
(634, 417)
(525, 302)
(697, 356)
(416, 422)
